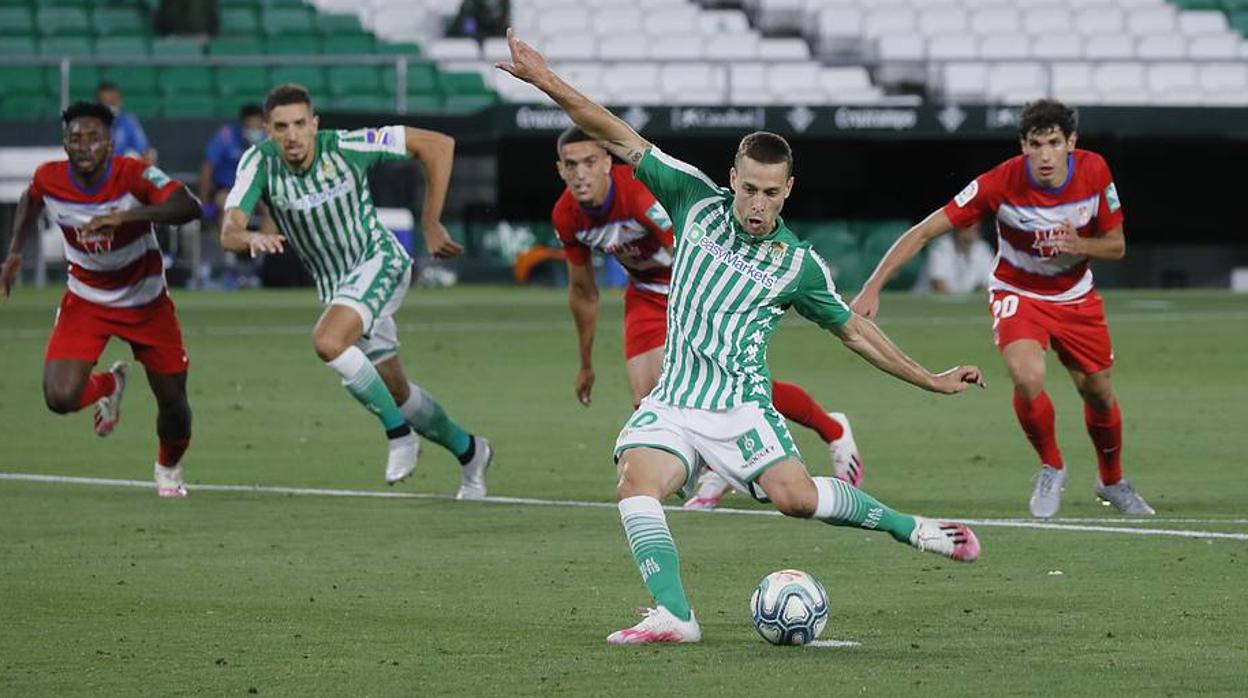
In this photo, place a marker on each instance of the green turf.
(110, 591)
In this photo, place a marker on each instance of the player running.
(1056, 209)
(605, 208)
(737, 268)
(316, 188)
(105, 206)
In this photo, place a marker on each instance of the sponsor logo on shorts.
(752, 447)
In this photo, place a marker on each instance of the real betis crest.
(778, 250)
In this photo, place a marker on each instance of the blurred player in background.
(315, 184)
(737, 268)
(129, 139)
(216, 173)
(1056, 209)
(605, 208)
(105, 206)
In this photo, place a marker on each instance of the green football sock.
(429, 420)
(655, 553)
(842, 504)
(361, 379)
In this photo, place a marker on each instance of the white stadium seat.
(1100, 20)
(563, 20)
(1199, 22)
(942, 19)
(1071, 76)
(1164, 77)
(675, 48)
(715, 22)
(622, 48)
(1017, 82)
(1217, 77)
(1161, 47)
(681, 21)
(965, 80)
(995, 20)
(783, 50)
(633, 83)
(1058, 46)
(1046, 20)
(617, 21)
(888, 20)
(845, 79)
(1121, 79)
(840, 22)
(694, 83)
(1110, 46)
(1152, 20)
(901, 47)
(571, 47)
(454, 50)
(1213, 47)
(585, 76)
(495, 49)
(1004, 47)
(728, 47)
(952, 47)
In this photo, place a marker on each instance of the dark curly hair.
(95, 110)
(1045, 114)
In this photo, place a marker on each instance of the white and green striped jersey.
(728, 291)
(325, 212)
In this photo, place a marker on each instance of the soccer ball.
(789, 607)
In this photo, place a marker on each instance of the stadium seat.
(284, 21)
(243, 82)
(310, 76)
(361, 103)
(236, 46)
(1239, 21)
(400, 48)
(83, 79)
(616, 21)
(354, 80)
(633, 83)
(676, 48)
(118, 21)
(1214, 47)
(1218, 77)
(694, 82)
(17, 46)
(1004, 47)
(796, 83)
(1100, 20)
(461, 104)
(347, 44)
(243, 21)
(946, 47)
(729, 47)
(333, 24)
(134, 80)
(840, 248)
(66, 46)
(1120, 81)
(941, 19)
(888, 20)
(747, 83)
(965, 80)
(901, 47)
(783, 50)
(27, 81)
(714, 22)
(123, 46)
(1174, 83)
(1016, 83)
(1161, 47)
(181, 81)
(1047, 21)
(676, 21)
(462, 83)
(24, 106)
(422, 78)
(1201, 23)
(561, 21)
(16, 21)
(1057, 47)
(840, 22)
(299, 45)
(63, 21)
(191, 107)
(166, 46)
(1110, 46)
(455, 50)
(877, 237)
(995, 20)
(1069, 78)
(574, 47)
(622, 48)
(1152, 20)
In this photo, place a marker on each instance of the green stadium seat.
(144, 106)
(134, 80)
(66, 46)
(1235, 5)
(246, 83)
(16, 21)
(287, 21)
(293, 45)
(463, 83)
(354, 80)
(236, 46)
(27, 107)
(338, 24)
(65, 3)
(119, 21)
(423, 103)
(878, 236)
(17, 46)
(236, 4)
(311, 77)
(349, 44)
(63, 21)
(401, 49)
(1198, 4)
(186, 80)
(30, 80)
(362, 103)
(238, 21)
(463, 104)
(83, 80)
(189, 106)
(123, 46)
(830, 239)
(282, 3)
(422, 78)
(167, 46)
(1239, 20)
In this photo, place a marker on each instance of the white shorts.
(375, 292)
(739, 443)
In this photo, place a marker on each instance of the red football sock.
(171, 451)
(1036, 418)
(98, 385)
(1105, 428)
(792, 401)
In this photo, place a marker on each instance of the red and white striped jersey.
(630, 225)
(121, 269)
(1028, 214)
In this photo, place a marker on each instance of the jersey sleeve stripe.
(679, 165)
(248, 167)
(827, 277)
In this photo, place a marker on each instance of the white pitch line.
(527, 501)
(832, 643)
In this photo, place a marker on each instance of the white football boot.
(401, 460)
(1046, 498)
(711, 488)
(846, 461)
(954, 540)
(472, 473)
(108, 408)
(1124, 498)
(659, 625)
(169, 481)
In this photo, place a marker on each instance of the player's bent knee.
(61, 400)
(794, 502)
(329, 346)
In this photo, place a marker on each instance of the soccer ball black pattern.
(789, 607)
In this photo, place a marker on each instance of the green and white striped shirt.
(728, 292)
(326, 212)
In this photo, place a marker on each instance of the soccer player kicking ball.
(1056, 209)
(316, 188)
(105, 206)
(737, 268)
(605, 208)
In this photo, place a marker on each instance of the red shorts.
(1077, 330)
(82, 329)
(645, 321)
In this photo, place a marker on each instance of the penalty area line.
(527, 501)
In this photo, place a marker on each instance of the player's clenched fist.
(958, 379)
(259, 243)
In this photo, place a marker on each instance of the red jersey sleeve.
(974, 202)
(148, 183)
(565, 228)
(1109, 211)
(37, 189)
(651, 214)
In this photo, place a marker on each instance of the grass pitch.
(110, 591)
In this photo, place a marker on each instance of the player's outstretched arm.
(583, 302)
(436, 152)
(235, 237)
(24, 219)
(1109, 246)
(867, 302)
(178, 208)
(865, 339)
(618, 137)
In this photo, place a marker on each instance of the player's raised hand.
(259, 243)
(584, 385)
(103, 225)
(866, 303)
(958, 379)
(526, 63)
(8, 273)
(439, 243)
